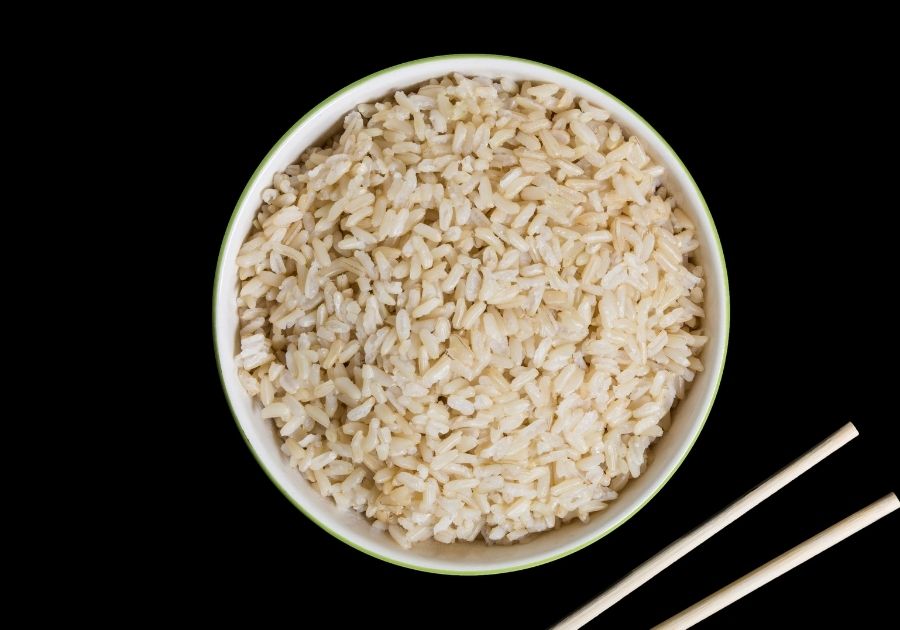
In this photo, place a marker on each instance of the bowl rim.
(568, 550)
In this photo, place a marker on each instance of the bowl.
(470, 558)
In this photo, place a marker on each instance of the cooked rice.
(472, 311)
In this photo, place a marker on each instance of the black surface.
(783, 152)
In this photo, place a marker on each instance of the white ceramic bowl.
(469, 558)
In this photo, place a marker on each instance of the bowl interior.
(667, 452)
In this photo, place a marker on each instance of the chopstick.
(782, 564)
(687, 543)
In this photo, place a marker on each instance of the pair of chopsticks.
(764, 574)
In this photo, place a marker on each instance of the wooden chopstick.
(782, 564)
(687, 543)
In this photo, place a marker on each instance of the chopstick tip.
(851, 429)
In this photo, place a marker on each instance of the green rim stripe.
(219, 265)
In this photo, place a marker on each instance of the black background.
(784, 146)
